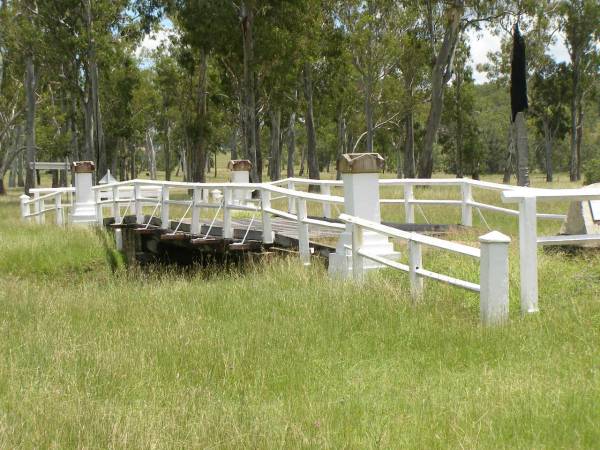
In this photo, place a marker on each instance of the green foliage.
(591, 171)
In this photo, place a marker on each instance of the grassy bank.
(280, 356)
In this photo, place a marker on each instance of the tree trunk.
(151, 155)
(259, 155)
(573, 163)
(548, 149)
(369, 115)
(92, 64)
(88, 151)
(30, 179)
(291, 145)
(409, 146)
(510, 155)
(275, 158)
(311, 136)
(247, 21)
(459, 128)
(440, 75)
(233, 143)
(167, 152)
(341, 135)
(579, 137)
(199, 153)
(522, 150)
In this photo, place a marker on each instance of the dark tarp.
(518, 75)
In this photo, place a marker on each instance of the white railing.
(465, 186)
(137, 201)
(527, 199)
(493, 257)
(47, 200)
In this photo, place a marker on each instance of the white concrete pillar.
(240, 173)
(360, 174)
(528, 254)
(494, 276)
(84, 208)
(25, 210)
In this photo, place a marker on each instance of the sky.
(482, 42)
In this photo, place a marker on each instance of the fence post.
(528, 255)
(116, 209)
(303, 244)
(409, 208)
(59, 210)
(84, 209)
(165, 224)
(415, 261)
(265, 201)
(196, 198)
(326, 190)
(37, 207)
(291, 201)
(227, 228)
(25, 210)
(139, 208)
(493, 295)
(466, 208)
(357, 259)
(99, 212)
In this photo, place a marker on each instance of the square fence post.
(303, 243)
(227, 228)
(59, 209)
(291, 202)
(99, 211)
(494, 278)
(196, 198)
(326, 190)
(409, 208)
(139, 211)
(357, 259)
(466, 210)
(265, 203)
(528, 255)
(165, 223)
(25, 210)
(415, 261)
(116, 207)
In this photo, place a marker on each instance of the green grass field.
(94, 355)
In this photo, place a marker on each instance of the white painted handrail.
(493, 256)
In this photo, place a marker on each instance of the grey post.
(494, 276)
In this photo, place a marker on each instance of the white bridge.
(194, 211)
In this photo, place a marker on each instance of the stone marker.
(360, 174)
(84, 208)
(581, 220)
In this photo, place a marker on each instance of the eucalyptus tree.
(581, 25)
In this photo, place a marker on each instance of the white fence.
(156, 196)
(493, 257)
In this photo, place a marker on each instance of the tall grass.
(93, 355)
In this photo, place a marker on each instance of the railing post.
(466, 208)
(409, 208)
(25, 209)
(291, 202)
(326, 190)
(196, 198)
(116, 209)
(357, 259)
(58, 207)
(165, 224)
(265, 202)
(493, 296)
(37, 207)
(138, 206)
(528, 255)
(303, 244)
(415, 261)
(227, 228)
(99, 211)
